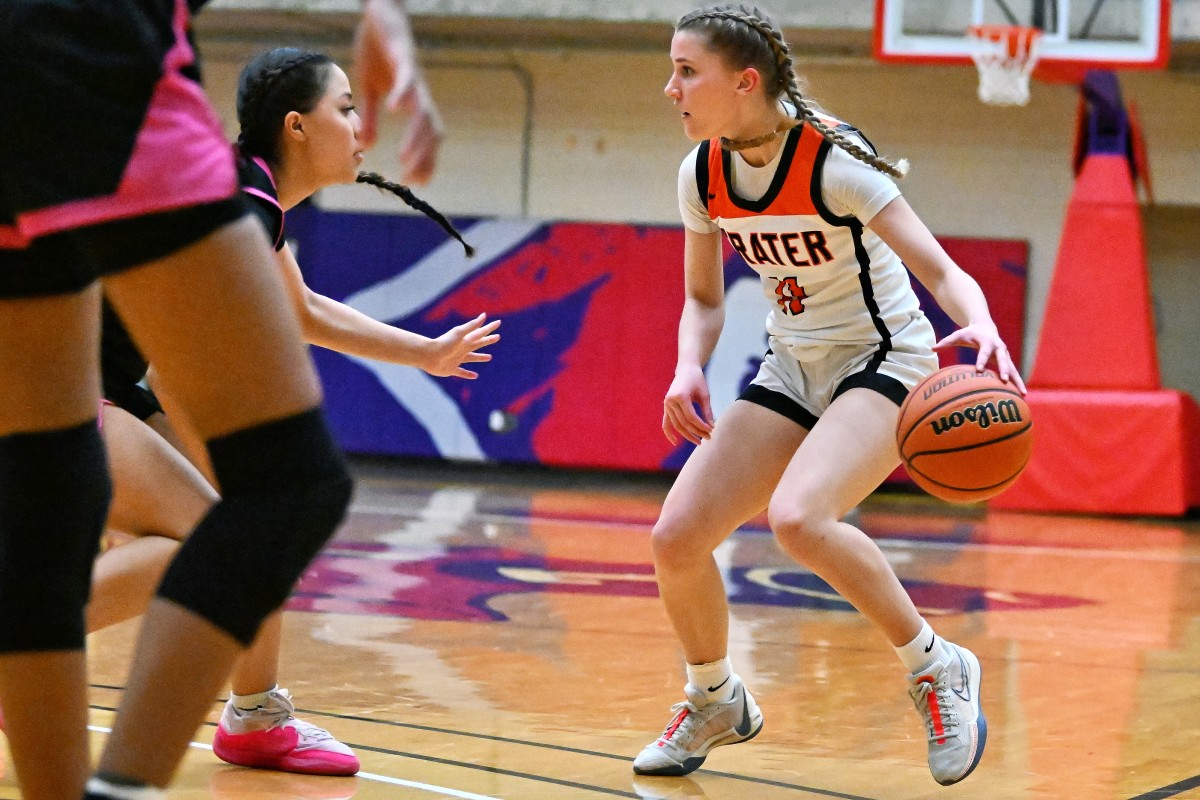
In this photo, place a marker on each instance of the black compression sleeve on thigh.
(284, 488)
(54, 496)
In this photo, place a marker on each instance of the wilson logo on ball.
(984, 415)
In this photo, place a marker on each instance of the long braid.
(287, 79)
(786, 82)
(405, 194)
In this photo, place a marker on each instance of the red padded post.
(1110, 452)
(1098, 327)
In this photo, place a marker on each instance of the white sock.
(713, 679)
(249, 702)
(103, 788)
(923, 650)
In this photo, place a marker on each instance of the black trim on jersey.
(868, 290)
(819, 166)
(885, 385)
(860, 252)
(702, 173)
(779, 403)
(870, 145)
(814, 189)
(781, 174)
(252, 176)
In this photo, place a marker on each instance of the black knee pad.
(54, 496)
(284, 489)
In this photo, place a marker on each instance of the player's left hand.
(987, 341)
(423, 137)
(460, 345)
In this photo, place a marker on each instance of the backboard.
(1095, 34)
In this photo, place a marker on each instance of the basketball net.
(1006, 56)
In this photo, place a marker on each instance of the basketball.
(964, 435)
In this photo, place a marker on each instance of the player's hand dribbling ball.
(964, 435)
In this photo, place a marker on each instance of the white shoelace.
(310, 734)
(684, 729)
(946, 710)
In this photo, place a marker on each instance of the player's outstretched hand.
(987, 341)
(461, 345)
(688, 390)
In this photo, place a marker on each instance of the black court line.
(496, 770)
(526, 743)
(452, 763)
(577, 751)
(1172, 790)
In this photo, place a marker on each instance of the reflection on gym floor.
(474, 634)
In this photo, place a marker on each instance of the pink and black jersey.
(258, 187)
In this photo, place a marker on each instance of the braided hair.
(288, 79)
(405, 194)
(746, 37)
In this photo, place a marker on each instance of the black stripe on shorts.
(886, 385)
(780, 404)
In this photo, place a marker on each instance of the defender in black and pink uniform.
(322, 146)
(113, 169)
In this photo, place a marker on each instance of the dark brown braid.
(405, 194)
(780, 78)
(287, 79)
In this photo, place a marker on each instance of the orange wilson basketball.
(964, 435)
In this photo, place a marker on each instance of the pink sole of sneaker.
(263, 752)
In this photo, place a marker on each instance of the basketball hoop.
(1006, 56)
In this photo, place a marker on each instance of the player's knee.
(284, 490)
(796, 524)
(55, 495)
(675, 545)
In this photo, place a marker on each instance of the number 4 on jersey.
(791, 296)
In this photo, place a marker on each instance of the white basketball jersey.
(828, 278)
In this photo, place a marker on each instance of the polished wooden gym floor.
(478, 634)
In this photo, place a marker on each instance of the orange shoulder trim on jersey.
(792, 197)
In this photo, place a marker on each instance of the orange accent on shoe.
(935, 713)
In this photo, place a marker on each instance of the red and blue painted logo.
(460, 582)
(590, 314)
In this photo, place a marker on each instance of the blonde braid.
(786, 81)
(897, 170)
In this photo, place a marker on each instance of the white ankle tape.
(116, 792)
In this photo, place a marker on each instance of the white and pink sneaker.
(270, 737)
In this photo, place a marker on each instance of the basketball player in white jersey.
(806, 201)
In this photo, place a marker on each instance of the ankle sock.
(923, 650)
(249, 702)
(713, 679)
